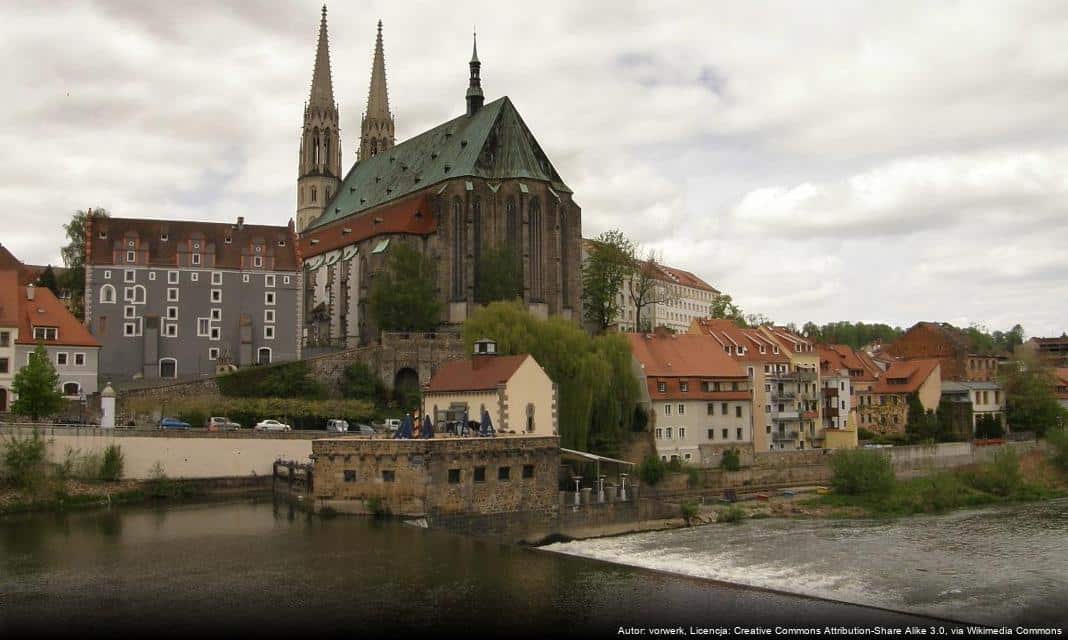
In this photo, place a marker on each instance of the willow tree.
(596, 385)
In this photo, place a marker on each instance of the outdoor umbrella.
(405, 430)
(461, 429)
(486, 428)
(428, 427)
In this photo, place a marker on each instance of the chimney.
(30, 292)
(240, 222)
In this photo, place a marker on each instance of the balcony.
(786, 415)
(793, 376)
(830, 412)
(784, 436)
(782, 395)
(830, 393)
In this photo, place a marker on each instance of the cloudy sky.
(878, 162)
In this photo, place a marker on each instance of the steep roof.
(683, 355)
(322, 86)
(45, 310)
(411, 216)
(475, 374)
(493, 144)
(905, 376)
(277, 241)
(835, 357)
(730, 336)
(685, 278)
(9, 297)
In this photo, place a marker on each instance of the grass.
(731, 515)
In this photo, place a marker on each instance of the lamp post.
(623, 487)
(578, 490)
(600, 489)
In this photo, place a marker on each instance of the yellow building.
(795, 392)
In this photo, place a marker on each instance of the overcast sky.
(885, 162)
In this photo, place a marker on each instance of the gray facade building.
(173, 299)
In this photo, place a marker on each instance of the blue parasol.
(486, 428)
(428, 427)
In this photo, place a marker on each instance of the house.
(761, 359)
(1052, 350)
(169, 299)
(698, 398)
(518, 394)
(959, 357)
(984, 398)
(32, 315)
(844, 373)
(796, 402)
(884, 407)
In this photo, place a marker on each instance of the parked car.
(220, 423)
(337, 426)
(392, 424)
(272, 425)
(363, 429)
(173, 423)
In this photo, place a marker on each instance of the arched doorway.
(406, 388)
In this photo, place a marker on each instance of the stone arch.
(406, 387)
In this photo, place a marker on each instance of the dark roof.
(165, 253)
(494, 144)
(476, 374)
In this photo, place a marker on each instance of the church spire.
(474, 87)
(322, 88)
(376, 130)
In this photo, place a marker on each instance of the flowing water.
(996, 566)
(187, 570)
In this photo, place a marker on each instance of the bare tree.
(647, 286)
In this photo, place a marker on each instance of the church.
(476, 184)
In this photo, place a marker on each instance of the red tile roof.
(683, 355)
(45, 310)
(1060, 376)
(913, 373)
(482, 373)
(411, 215)
(9, 297)
(729, 335)
(695, 390)
(835, 357)
(685, 278)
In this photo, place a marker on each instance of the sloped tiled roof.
(729, 335)
(686, 279)
(475, 374)
(913, 372)
(835, 357)
(45, 310)
(683, 355)
(411, 215)
(1060, 376)
(494, 144)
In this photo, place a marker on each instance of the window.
(682, 409)
(504, 474)
(5, 338)
(686, 456)
(268, 280)
(682, 433)
(170, 330)
(195, 277)
(129, 311)
(107, 294)
(168, 368)
(263, 356)
(131, 256)
(129, 275)
(711, 408)
(216, 277)
(163, 237)
(61, 359)
(257, 261)
(767, 429)
(661, 387)
(172, 294)
(216, 295)
(480, 474)
(244, 278)
(172, 277)
(45, 333)
(711, 434)
(216, 314)
(659, 434)
(285, 280)
(528, 471)
(4, 365)
(202, 327)
(268, 298)
(739, 433)
(152, 276)
(667, 432)
(738, 411)
(71, 388)
(724, 434)
(268, 315)
(723, 408)
(388, 475)
(350, 475)
(213, 353)
(228, 240)
(129, 329)
(268, 332)
(667, 409)
(172, 313)
(79, 359)
(215, 333)
(196, 258)
(454, 476)
(684, 386)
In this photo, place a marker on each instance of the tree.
(1029, 395)
(36, 385)
(47, 280)
(403, 296)
(610, 261)
(723, 307)
(500, 275)
(646, 287)
(360, 382)
(73, 253)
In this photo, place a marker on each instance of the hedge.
(296, 412)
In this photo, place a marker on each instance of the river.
(1005, 565)
(190, 569)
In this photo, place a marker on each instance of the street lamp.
(578, 490)
(623, 487)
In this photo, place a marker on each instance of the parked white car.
(272, 425)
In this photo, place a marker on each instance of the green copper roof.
(494, 144)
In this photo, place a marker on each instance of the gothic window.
(315, 148)
(565, 267)
(313, 194)
(534, 226)
(326, 154)
(457, 249)
(511, 221)
(476, 223)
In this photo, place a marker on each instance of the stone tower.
(376, 130)
(319, 165)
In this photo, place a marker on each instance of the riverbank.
(74, 494)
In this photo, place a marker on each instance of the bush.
(359, 382)
(112, 466)
(159, 485)
(1058, 443)
(731, 461)
(674, 465)
(24, 460)
(689, 512)
(298, 412)
(731, 515)
(652, 470)
(1001, 476)
(288, 380)
(859, 471)
(988, 426)
(378, 507)
(943, 491)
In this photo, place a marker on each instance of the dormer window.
(196, 258)
(131, 256)
(163, 237)
(45, 333)
(257, 261)
(281, 243)
(228, 240)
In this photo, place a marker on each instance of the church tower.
(319, 165)
(376, 130)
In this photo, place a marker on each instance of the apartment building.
(760, 358)
(795, 400)
(170, 299)
(883, 407)
(698, 398)
(1052, 350)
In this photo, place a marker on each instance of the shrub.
(1001, 476)
(674, 465)
(731, 515)
(652, 470)
(378, 507)
(112, 465)
(288, 380)
(24, 460)
(359, 382)
(859, 471)
(689, 512)
(864, 434)
(943, 491)
(1058, 443)
(731, 461)
(159, 485)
